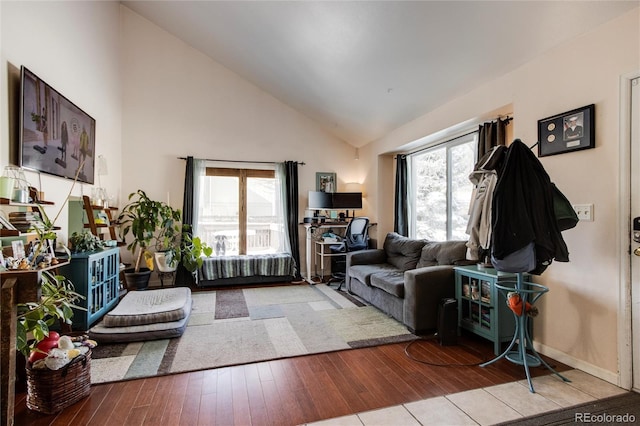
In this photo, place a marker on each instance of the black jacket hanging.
(523, 212)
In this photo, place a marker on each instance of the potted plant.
(35, 318)
(192, 249)
(147, 220)
(167, 242)
(84, 242)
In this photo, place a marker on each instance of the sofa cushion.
(363, 272)
(442, 253)
(402, 252)
(391, 282)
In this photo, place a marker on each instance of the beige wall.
(178, 102)
(74, 47)
(578, 321)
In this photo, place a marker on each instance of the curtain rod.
(507, 120)
(302, 163)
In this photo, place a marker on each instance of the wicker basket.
(51, 391)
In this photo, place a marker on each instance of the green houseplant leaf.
(35, 318)
(148, 220)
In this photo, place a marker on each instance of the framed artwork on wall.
(56, 136)
(570, 131)
(325, 182)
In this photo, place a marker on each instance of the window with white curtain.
(441, 190)
(240, 211)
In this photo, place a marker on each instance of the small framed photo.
(326, 182)
(570, 131)
(18, 249)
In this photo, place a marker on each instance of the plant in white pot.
(146, 220)
(168, 248)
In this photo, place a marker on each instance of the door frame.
(625, 348)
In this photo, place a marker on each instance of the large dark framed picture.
(570, 131)
(56, 136)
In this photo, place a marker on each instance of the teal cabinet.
(95, 276)
(482, 308)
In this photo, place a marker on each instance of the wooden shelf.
(8, 202)
(97, 225)
(97, 207)
(89, 208)
(61, 262)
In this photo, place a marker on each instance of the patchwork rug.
(231, 327)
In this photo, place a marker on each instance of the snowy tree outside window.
(441, 190)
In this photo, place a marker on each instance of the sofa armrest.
(424, 288)
(366, 257)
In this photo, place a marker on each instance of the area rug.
(231, 327)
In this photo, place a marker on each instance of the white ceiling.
(363, 68)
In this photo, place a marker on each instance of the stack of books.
(23, 221)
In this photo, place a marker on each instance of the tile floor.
(489, 405)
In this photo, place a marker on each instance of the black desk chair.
(356, 238)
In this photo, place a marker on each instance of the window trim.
(242, 175)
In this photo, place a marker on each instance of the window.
(441, 190)
(238, 211)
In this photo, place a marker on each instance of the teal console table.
(482, 309)
(95, 276)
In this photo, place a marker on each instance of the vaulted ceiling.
(363, 68)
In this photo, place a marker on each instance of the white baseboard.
(579, 364)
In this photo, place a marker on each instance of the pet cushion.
(150, 307)
(134, 333)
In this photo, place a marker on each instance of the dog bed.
(146, 315)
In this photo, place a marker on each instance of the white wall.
(578, 316)
(74, 47)
(179, 102)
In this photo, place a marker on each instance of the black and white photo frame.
(570, 131)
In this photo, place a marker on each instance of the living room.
(156, 98)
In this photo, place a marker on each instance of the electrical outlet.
(584, 212)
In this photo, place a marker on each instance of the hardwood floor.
(290, 391)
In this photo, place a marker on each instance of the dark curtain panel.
(291, 205)
(187, 204)
(401, 219)
(490, 135)
(183, 276)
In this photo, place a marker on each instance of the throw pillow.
(402, 252)
(442, 253)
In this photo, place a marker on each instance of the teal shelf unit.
(95, 276)
(484, 311)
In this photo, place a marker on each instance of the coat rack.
(524, 354)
